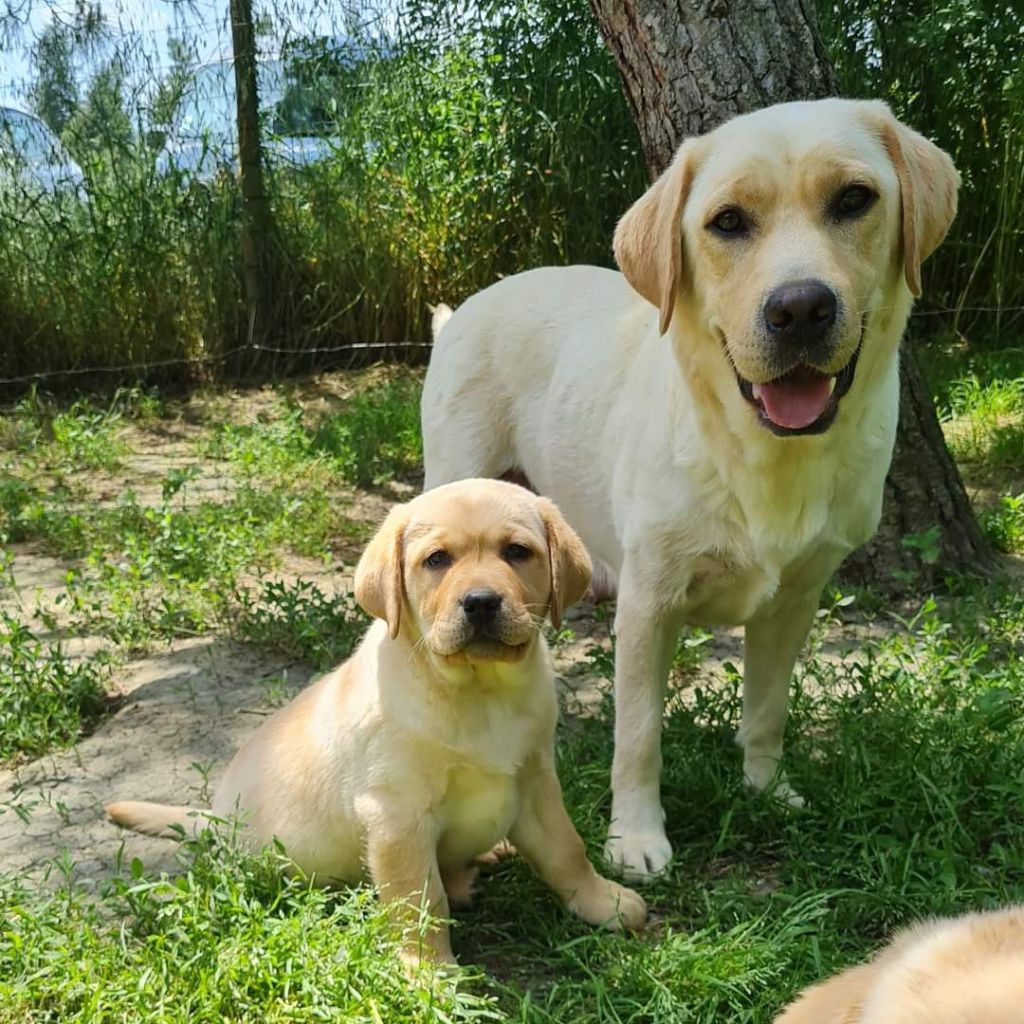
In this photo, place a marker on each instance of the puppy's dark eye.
(438, 560)
(517, 553)
(728, 223)
(852, 202)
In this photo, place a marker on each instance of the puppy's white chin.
(480, 652)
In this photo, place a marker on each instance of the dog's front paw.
(785, 794)
(610, 905)
(764, 775)
(639, 857)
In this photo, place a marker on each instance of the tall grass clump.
(139, 270)
(458, 148)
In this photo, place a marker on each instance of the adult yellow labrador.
(716, 421)
(965, 970)
(436, 738)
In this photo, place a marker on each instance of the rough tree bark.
(256, 218)
(688, 66)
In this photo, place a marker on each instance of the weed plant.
(46, 697)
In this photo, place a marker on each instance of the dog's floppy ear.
(567, 558)
(379, 583)
(928, 187)
(649, 237)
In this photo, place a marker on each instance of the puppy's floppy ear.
(568, 561)
(649, 237)
(379, 583)
(928, 187)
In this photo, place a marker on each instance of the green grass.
(980, 399)
(300, 620)
(911, 756)
(145, 572)
(84, 434)
(378, 437)
(909, 750)
(374, 439)
(228, 940)
(46, 698)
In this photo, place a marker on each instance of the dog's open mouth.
(802, 401)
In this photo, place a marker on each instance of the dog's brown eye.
(517, 553)
(852, 201)
(729, 222)
(438, 560)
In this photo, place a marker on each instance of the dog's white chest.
(721, 591)
(476, 811)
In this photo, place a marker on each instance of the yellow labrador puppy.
(716, 421)
(436, 739)
(966, 970)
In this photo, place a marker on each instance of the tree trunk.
(927, 527)
(688, 66)
(256, 220)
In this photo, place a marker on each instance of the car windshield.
(208, 104)
(28, 139)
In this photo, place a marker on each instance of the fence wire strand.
(366, 346)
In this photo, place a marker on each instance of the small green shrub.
(45, 697)
(1004, 524)
(300, 620)
(377, 437)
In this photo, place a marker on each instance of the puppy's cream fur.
(966, 970)
(430, 744)
(618, 396)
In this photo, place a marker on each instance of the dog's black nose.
(800, 312)
(481, 606)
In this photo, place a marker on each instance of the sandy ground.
(186, 710)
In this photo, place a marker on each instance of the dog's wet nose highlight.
(481, 605)
(800, 312)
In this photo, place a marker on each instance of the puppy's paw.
(500, 851)
(421, 962)
(785, 794)
(610, 905)
(460, 886)
(639, 857)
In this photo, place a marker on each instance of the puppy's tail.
(163, 820)
(441, 315)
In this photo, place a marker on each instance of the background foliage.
(466, 142)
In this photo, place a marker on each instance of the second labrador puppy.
(436, 739)
(962, 970)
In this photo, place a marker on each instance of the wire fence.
(356, 352)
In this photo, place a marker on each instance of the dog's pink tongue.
(794, 402)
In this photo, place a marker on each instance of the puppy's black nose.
(800, 312)
(481, 606)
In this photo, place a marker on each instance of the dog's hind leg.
(464, 443)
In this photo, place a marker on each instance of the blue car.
(203, 141)
(32, 158)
